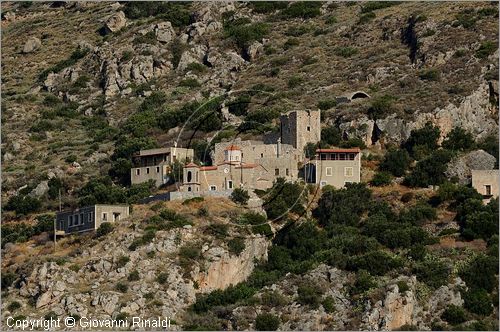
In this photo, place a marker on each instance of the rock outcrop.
(31, 45)
(460, 167)
(115, 23)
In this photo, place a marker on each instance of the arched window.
(189, 176)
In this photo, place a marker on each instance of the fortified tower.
(300, 127)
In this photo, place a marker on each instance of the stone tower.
(300, 127)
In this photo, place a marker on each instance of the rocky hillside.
(413, 84)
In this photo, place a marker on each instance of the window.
(262, 155)
(487, 189)
(70, 221)
(230, 184)
(90, 216)
(147, 170)
(76, 220)
(276, 171)
(351, 156)
(81, 219)
(213, 188)
(104, 216)
(236, 158)
(342, 156)
(335, 156)
(329, 171)
(348, 171)
(138, 172)
(157, 169)
(308, 128)
(189, 188)
(287, 172)
(189, 176)
(323, 156)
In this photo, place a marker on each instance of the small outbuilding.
(89, 218)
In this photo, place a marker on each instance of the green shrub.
(294, 81)
(244, 33)
(162, 278)
(381, 106)
(177, 13)
(196, 67)
(381, 179)
(284, 197)
(423, 141)
(345, 52)
(239, 106)
(486, 49)
(190, 83)
(104, 228)
(190, 251)
(309, 294)
(23, 205)
(403, 286)
(331, 136)
(396, 161)
(302, 9)
(371, 6)
(363, 282)
(487, 280)
(267, 322)
(430, 171)
(13, 306)
(7, 278)
(434, 273)
(326, 104)
(236, 246)
(465, 18)
(240, 196)
(133, 276)
(186, 202)
(74, 57)
(291, 42)
(265, 7)
(429, 75)
(121, 287)
(122, 261)
(328, 304)
(297, 30)
(365, 18)
(454, 315)
(478, 302)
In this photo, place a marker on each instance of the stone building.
(154, 164)
(254, 151)
(297, 128)
(485, 181)
(234, 173)
(89, 218)
(334, 167)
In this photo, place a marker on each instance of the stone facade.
(89, 218)
(334, 167)
(154, 164)
(300, 127)
(486, 182)
(254, 151)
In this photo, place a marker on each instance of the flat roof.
(355, 150)
(150, 152)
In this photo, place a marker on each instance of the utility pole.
(55, 221)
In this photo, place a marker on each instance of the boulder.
(164, 32)
(41, 189)
(115, 23)
(254, 50)
(31, 45)
(461, 166)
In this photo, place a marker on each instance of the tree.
(381, 179)
(240, 196)
(104, 228)
(454, 315)
(431, 170)
(310, 150)
(23, 204)
(458, 139)
(478, 301)
(423, 141)
(486, 279)
(396, 161)
(331, 136)
(267, 322)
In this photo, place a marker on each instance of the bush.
(331, 136)
(267, 322)
(364, 282)
(478, 302)
(486, 49)
(371, 6)
(284, 197)
(430, 171)
(429, 75)
(13, 306)
(133, 276)
(454, 315)
(244, 33)
(326, 104)
(381, 179)
(240, 196)
(74, 57)
(294, 81)
(365, 18)
(190, 251)
(265, 7)
(104, 228)
(396, 162)
(487, 280)
(422, 142)
(122, 261)
(236, 246)
(309, 294)
(458, 139)
(162, 278)
(403, 286)
(345, 52)
(190, 83)
(380, 107)
(23, 205)
(291, 42)
(176, 13)
(432, 272)
(239, 106)
(302, 9)
(7, 278)
(328, 304)
(196, 67)
(121, 287)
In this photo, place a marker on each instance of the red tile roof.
(232, 147)
(208, 168)
(355, 150)
(191, 165)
